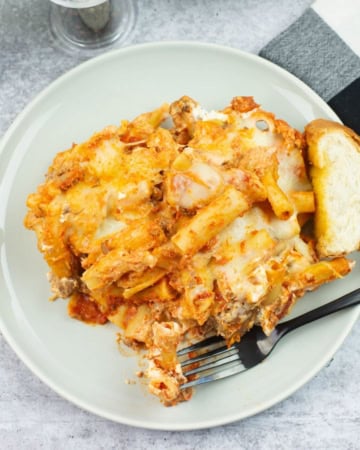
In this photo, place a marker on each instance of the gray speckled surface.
(325, 413)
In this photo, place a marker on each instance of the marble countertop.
(325, 413)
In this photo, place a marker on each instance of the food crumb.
(139, 374)
(129, 381)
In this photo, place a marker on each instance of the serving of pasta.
(181, 224)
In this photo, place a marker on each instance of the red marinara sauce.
(81, 307)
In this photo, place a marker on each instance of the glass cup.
(92, 24)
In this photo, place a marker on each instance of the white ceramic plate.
(81, 362)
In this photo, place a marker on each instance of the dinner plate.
(82, 363)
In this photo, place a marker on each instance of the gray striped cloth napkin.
(322, 48)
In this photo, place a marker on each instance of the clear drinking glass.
(92, 24)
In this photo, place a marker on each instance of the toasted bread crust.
(318, 127)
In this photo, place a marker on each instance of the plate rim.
(353, 314)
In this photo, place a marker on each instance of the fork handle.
(350, 299)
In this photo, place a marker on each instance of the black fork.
(212, 360)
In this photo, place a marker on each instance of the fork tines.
(209, 360)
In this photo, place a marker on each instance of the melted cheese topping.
(195, 186)
(167, 231)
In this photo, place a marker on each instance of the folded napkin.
(322, 48)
